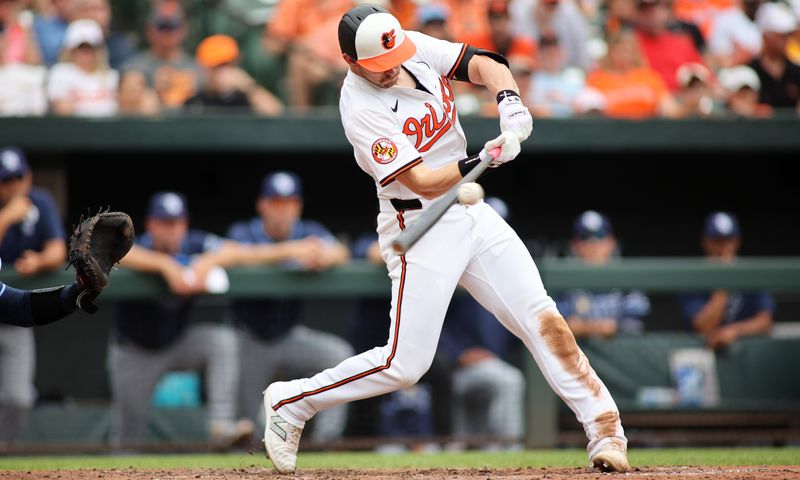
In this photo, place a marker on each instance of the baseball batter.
(399, 114)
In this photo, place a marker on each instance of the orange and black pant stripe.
(388, 363)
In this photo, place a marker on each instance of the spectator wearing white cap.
(82, 84)
(779, 77)
(694, 95)
(740, 87)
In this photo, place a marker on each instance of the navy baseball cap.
(591, 224)
(721, 225)
(281, 185)
(12, 163)
(168, 206)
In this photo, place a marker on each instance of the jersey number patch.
(384, 151)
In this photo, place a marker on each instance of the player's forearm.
(495, 76)
(263, 254)
(710, 316)
(337, 254)
(263, 102)
(228, 255)
(430, 183)
(756, 325)
(146, 261)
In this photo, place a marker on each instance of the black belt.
(400, 204)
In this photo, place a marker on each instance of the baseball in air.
(469, 193)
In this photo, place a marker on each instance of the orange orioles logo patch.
(384, 151)
(387, 39)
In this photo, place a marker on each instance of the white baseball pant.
(472, 246)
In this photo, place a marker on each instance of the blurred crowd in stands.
(618, 58)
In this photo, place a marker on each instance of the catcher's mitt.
(97, 244)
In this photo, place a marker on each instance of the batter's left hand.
(514, 116)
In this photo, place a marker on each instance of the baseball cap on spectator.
(83, 32)
(688, 73)
(432, 13)
(589, 100)
(592, 224)
(281, 185)
(168, 206)
(217, 50)
(736, 78)
(12, 163)
(721, 225)
(775, 18)
(167, 15)
(373, 37)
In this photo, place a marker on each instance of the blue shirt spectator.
(600, 313)
(31, 233)
(739, 306)
(158, 323)
(628, 309)
(40, 225)
(183, 257)
(50, 30)
(723, 316)
(309, 246)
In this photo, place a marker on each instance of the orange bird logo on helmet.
(387, 39)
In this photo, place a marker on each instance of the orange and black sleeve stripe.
(392, 176)
(457, 69)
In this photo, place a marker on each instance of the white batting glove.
(514, 116)
(509, 148)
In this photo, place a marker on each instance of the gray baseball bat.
(432, 214)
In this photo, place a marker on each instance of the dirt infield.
(260, 473)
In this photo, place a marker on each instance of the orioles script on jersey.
(431, 127)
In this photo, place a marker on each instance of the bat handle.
(494, 153)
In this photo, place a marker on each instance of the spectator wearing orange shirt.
(665, 51)
(631, 89)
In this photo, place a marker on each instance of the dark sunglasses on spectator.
(167, 26)
(12, 178)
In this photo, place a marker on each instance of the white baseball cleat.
(611, 458)
(281, 438)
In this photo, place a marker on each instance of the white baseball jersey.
(393, 129)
